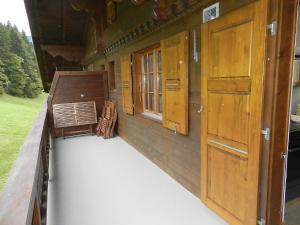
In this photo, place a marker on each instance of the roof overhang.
(57, 29)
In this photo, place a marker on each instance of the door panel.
(227, 188)
(232, 72)
(233, 59)
(229, 116)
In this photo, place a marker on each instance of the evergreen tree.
(4, 42)
(17, 44)
(3, 78)
(16, 75)
(33, 85)
(19, 62)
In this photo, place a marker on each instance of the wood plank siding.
(176, 154)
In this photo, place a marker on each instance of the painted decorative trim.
(161, 10)
(149, 27)
(69, 53)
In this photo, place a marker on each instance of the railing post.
(36, 217)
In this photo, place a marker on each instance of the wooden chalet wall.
(76, 86)
(176, 154)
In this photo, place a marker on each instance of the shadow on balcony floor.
(107, 182)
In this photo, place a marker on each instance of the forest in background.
(19, 73)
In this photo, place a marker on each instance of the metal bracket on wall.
(273, 28)
(266, 133)
(261, 221)
(201, 109)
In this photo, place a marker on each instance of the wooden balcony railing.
(24, 198)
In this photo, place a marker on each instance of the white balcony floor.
(107, 182)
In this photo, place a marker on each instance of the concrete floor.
(292, 212)
(107, 182)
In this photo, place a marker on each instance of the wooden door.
(232, 74)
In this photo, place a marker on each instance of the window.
(151, 81)
(112, 84)
(145, 72)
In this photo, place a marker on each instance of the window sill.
(152, 116)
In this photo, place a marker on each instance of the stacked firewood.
(107, 121)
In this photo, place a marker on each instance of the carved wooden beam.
(98, 37)
(100, 20)
(137, 2)
(160, 10)
(68, 52)
(86, 5)
(96, 9)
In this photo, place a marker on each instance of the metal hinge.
(266, 133)
(272, 27)
(175, 129)
(261, 221)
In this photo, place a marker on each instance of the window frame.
(157, 74)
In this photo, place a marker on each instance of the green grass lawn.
(16, 118)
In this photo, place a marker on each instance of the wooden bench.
(75, 115)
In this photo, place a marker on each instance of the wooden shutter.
(137, 81)
(174, 51)
(126, 84)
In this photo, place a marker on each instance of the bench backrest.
(74, 114)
